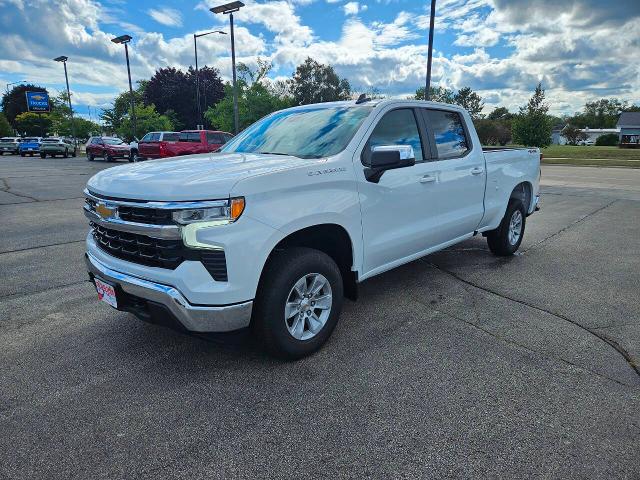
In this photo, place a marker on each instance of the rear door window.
(450, 135)
(170, 137)
(193, 137)
(214, 138)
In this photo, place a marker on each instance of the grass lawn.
(583, 155)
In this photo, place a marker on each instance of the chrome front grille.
(144, 233)
(141, 249)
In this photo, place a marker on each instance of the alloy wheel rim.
(308, 306)
(515, 227)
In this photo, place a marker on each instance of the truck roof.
(380, 103)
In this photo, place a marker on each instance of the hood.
(195, 177)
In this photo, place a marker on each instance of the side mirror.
(388, 157)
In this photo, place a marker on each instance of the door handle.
(428, 179)
(477, 170)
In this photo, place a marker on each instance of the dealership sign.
(37, 101)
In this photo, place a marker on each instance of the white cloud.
(581, 55)
(166, 16)
(353, 8)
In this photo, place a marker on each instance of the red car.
(187, 142)
(108, 148)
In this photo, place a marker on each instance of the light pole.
(125, 39)
(195, 49)
(14, 83)
(64, 59)
(229, 8)
(430, 54)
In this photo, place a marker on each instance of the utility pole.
(229, 8)
(125, 39)
(64, 59)
(430, 53)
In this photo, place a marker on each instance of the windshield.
(6, 139)
(313, 132)
(113, 141)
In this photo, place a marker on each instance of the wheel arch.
(329, 238)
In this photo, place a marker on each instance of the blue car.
(30, 146)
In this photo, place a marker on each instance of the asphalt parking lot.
(458, 365)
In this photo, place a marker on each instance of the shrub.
(607, 140)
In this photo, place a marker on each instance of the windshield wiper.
(276, 153)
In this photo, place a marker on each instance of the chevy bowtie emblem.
(105, 212)
(37, 97)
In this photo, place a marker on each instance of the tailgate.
(149, 149)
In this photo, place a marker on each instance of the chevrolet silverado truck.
(273, 231)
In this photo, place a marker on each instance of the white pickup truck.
(274, 230)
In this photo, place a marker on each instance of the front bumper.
(195, 318)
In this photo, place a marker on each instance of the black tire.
(282, 271)
(90, 157)
(66, 153)
(133, 156)
(22, 154)
(74, 153)
(499, 241)
(44, 155)
(109, 158)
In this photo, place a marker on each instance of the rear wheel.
(506, 239)
(298, 302)
(22, 154)
(109, 158)
(66, 153)
(44, 155)
(90, 157)
(133, 156)
(74, 153)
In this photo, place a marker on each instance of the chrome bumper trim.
(196, 318)
(164, 232)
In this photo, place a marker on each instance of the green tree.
(33, 124)
(470, 101)
(436, 94)
(532, 126)
(314, 82)
(500, 113)
(15, 101)
(256, 98)
(573, 134)
(602, 113)
(147, 120)
(114, 116)
(607, 140)
(5, 128)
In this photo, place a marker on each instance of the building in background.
(592, 135)
(629, 125)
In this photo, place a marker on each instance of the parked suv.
(29, 146)
(108, 148)
(294, 212)
(9, 145)
(57, 146)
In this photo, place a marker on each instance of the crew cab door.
(459, 172)
(399, 212)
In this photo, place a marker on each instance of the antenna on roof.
(362, 98)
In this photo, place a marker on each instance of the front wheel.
(66, 154)
(90, 157)
(22, 154)
(43, 155)
(109, 158)
(298, 302)
(133, 156)
(506, 239)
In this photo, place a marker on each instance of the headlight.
(226, 212)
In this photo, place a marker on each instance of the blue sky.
(578, 49)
